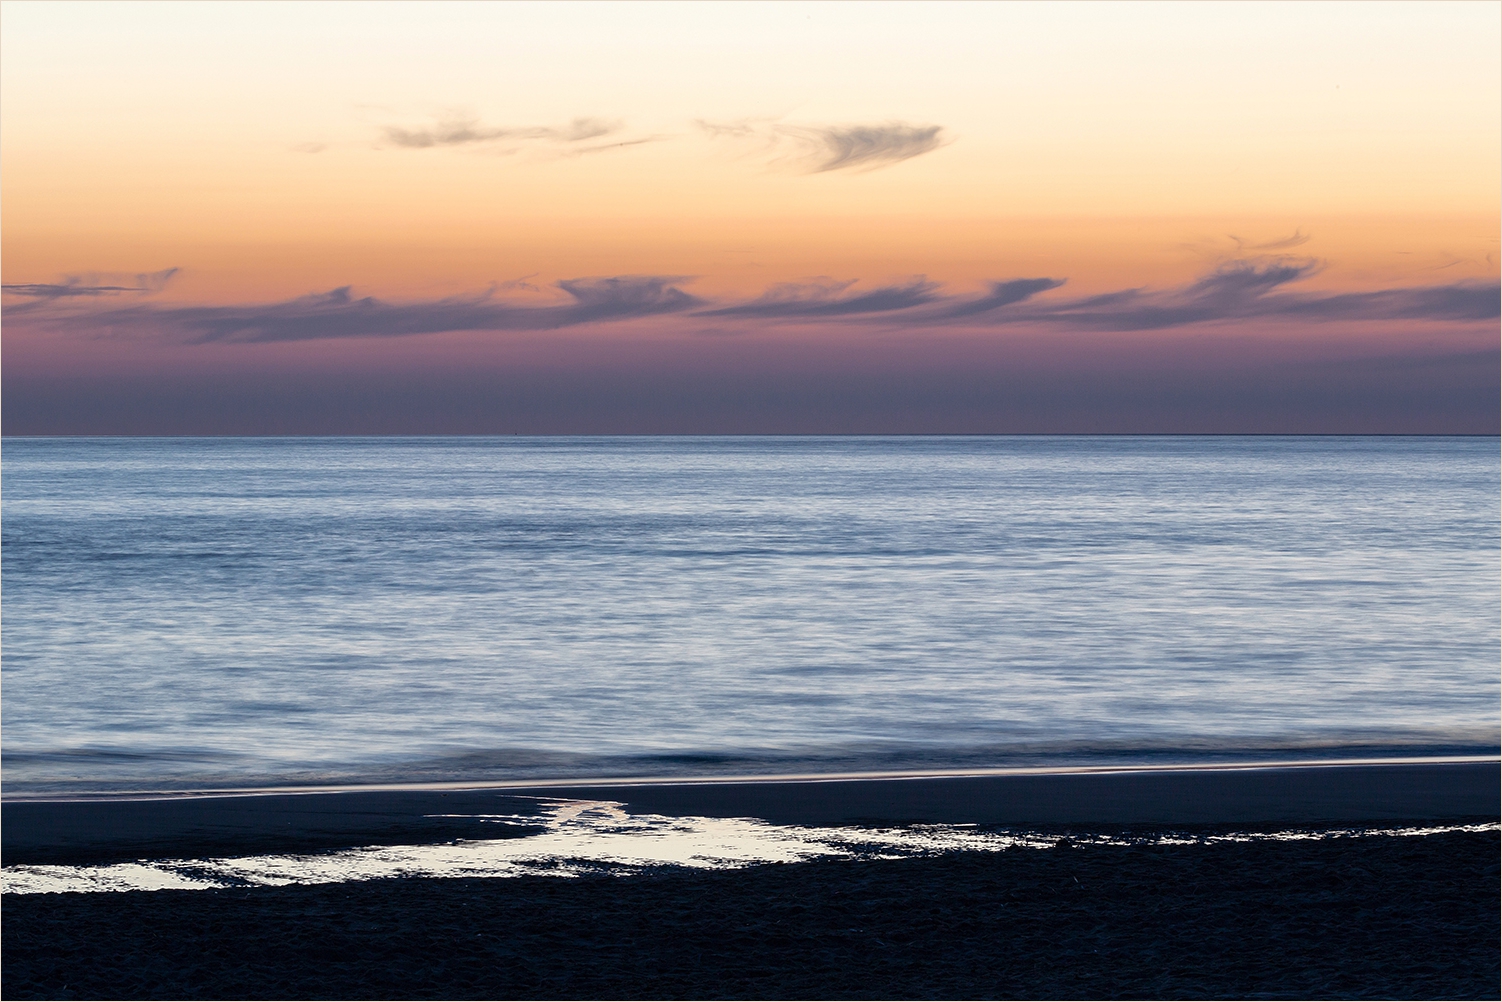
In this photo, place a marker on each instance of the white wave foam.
(589, 836)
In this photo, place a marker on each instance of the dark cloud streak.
(89, 285)
(1002, 294)
(1238, 291)
(824, 300)
(336, 314)
(1249, 289)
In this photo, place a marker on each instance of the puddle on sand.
(591, 836)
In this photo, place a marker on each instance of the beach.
(804, 718)
(106, 829)
(819, 500)
(1333, 881)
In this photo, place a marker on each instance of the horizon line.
(789, 434)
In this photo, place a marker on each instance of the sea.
(244, 613)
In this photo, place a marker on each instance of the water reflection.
(599, 836)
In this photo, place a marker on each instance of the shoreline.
(1388, 914)
(123, 827)
(571, 782)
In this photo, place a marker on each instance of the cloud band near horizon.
(1239, 290)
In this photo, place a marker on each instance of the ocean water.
(213, 613)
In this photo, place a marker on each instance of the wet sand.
(1346, 917)
(115, 829)
(1382, 917)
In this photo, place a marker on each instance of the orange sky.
(418, 153)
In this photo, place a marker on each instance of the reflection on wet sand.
(586, 836)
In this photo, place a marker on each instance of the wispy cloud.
(817, 149)
(1255, 289)
(30, 297)
(92, 284)
(744, 128)
(1249, 289)
(1244, 289)
(827, 299)
(1296, 239)
(584, 151)
(1461, 301)
(623, 298)
(1002, 294)
(866, 147)
(339, 314)
(461, 130)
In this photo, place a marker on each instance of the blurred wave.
(186, 613)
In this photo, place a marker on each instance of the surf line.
(791, 778)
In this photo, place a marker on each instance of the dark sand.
(116, 829)
(1373, 917)
(1348, 917)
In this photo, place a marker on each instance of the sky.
(790, 218)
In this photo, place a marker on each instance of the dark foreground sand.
(1374, 917)
(1346, 917)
